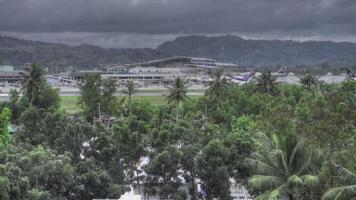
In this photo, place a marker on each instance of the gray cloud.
(114, 22)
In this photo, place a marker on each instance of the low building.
(113, 68)
(237, 192)
(10, 76)
(80, 75)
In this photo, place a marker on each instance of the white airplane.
(283, 71)
(247, 77)
(244, 78)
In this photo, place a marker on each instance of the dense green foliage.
(36, 90)
(293, 141)
(5, 117)
(130, 89)
(347, 190)
(218, 86)
(97, 97)
(283, 168)
(266, 83)
(177, 94)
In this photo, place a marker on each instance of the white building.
(238, 192)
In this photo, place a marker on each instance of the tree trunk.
(129, 104)
(290, 197)
(194, 195)
(138, 182)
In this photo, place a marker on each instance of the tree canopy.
(277, 141)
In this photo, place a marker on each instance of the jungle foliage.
(279, 141)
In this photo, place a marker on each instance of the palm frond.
(282, 157)
(218, 85)
(309, 80)
(340, 193)
(346, 175)
(283, 160)
(178, 92)
(310, 180)
(263, 183)
(295, 180)
(275, 194)
(266, 141)
(260, 167)
(305, 166)
(266, 82)
(292, 157)
(266, 160)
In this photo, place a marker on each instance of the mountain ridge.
(261, 52)
(227, 48)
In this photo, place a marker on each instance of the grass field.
(70, 103)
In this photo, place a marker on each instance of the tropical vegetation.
(278, 141)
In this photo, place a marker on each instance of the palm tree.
(218, 86)
(129, 91)
(283, 167)
(266, 82)
(309, 80)
(33, 80)
(350, 74)
(348, 191)
(177, 93)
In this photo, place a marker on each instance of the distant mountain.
(16, 52)
(260, 52)
(227, 48)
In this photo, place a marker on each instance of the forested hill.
(260, 52)
(222, 48)
(16, 52)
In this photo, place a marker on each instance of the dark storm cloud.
(175, 16)
(288, 18)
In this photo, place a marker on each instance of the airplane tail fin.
(250, 74)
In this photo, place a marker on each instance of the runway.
(149, 91)
(193, 90)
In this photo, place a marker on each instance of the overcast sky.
(147, 23)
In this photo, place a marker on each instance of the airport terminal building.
(156, 71)
(163, 71)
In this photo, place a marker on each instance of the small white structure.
(130, 196)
